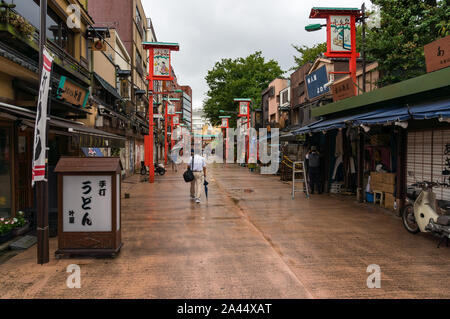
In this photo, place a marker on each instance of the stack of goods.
(336, 188)
(384, 182)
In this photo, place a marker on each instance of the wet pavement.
(248, 240)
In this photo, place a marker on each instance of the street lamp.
(314, 27)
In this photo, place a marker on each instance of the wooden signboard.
(72, 93)
(343, 90)
(89, 210)
(437, 54)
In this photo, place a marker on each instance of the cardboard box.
(389, 200)
(387, 188)
(388, 178)
(375, 178)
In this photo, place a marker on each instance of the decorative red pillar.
(159, 70)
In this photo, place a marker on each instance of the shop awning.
(28, 117)
(425, 111)
(383, 116)
(108, 87)
(422, 111)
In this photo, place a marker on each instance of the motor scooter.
(423, 216)
(159, 169)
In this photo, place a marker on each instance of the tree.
(237, 78)
(308, 54)
(406, 26)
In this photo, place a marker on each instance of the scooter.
(422, 216)
(159, 169)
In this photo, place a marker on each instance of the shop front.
(383, 141)
(65, 138)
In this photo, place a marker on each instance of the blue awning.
(383, 116)
(422, 111)
(425, 111)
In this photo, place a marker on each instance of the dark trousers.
(314, 179)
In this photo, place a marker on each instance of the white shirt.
(199, 163)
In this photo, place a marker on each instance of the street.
(249, 240)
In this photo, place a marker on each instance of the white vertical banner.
(40, 130)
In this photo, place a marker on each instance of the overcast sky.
(209, 30)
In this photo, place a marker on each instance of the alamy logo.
(374, 279)
(241, 146)
(74, 279)
(74, 18)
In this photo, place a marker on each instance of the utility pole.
(42, 186)
(363, 10)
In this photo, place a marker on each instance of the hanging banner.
(170, 109)
(161, 62)
(40, 130)
(243, 108)
(224, 123)
(341, 39)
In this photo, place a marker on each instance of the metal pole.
(248, 134)
(149, 148)
(42, 186)
(363, 53)
(165, 132)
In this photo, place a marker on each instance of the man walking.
(313, 158)
(198, 167)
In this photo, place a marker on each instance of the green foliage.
(8, 224)
(237, 78)
(307, 54)
(406, 26)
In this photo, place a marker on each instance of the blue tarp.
(383, 116)
(432, 110)
(423, 111)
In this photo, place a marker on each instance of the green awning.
(418, 85)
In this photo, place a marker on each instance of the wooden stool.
(378, 199)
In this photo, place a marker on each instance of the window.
(139, 63)
(58, 32)
(301, 89)
(285, 97)
(138, 17)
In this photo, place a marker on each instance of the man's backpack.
(314, 160)
(189, 175)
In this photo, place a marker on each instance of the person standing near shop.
(198, 166)
(313, 158)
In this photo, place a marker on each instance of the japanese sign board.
(89, 205)
(343, 90)
(40, 130)
(170, 109)
(176, 120)
(72, 93)
(340, 33)
(316, 81)
(244, 108)
(437, 54)
(161, 62)
(224, 123)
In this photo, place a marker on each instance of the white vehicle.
(422, 216)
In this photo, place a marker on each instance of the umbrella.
(206, 188)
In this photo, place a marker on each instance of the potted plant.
(21, 224)
(6, 227)
(17, 21)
